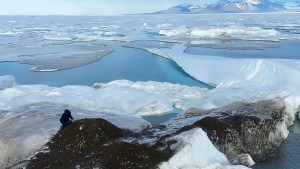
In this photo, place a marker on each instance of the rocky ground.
(89, 143)
(240, 131)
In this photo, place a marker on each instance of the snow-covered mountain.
(246, 6)
(227, 6)
(181, 9)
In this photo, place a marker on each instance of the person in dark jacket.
(66, 118)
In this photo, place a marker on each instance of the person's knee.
(66, 124)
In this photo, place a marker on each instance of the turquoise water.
(156, 120)
(124, 63)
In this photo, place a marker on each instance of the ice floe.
(65, 57)
(244, 33)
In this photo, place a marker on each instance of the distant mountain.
(246, 6)
(181, 9)
(289, 4)
(227, 6)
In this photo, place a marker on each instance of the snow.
(230, 32)
(253, 1)
(245, 33)
(57, 38)
(174, 32)
(7, 82)
(196, 151)
(254, 79)
(280, 132)
(233, 32)
(142, 98)
(122, 102)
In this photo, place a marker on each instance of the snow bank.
(142, 98)
(233, 32)
(175, 32)
(7, 82)
(197, 151)
(249, 33)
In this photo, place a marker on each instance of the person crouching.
(66, 118)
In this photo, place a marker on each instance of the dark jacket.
(65, 117)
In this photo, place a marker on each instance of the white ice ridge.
(126, 97)
(232, 32)
(197, 151)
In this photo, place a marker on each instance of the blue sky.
(87, 7)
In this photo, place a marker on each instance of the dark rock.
(124, 155)
(240, 131)
(244, 128)
(77, 144)
(240, 128)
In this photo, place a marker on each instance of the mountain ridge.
(226, 6)
(182, 8)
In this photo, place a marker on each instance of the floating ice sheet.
(54, 58)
